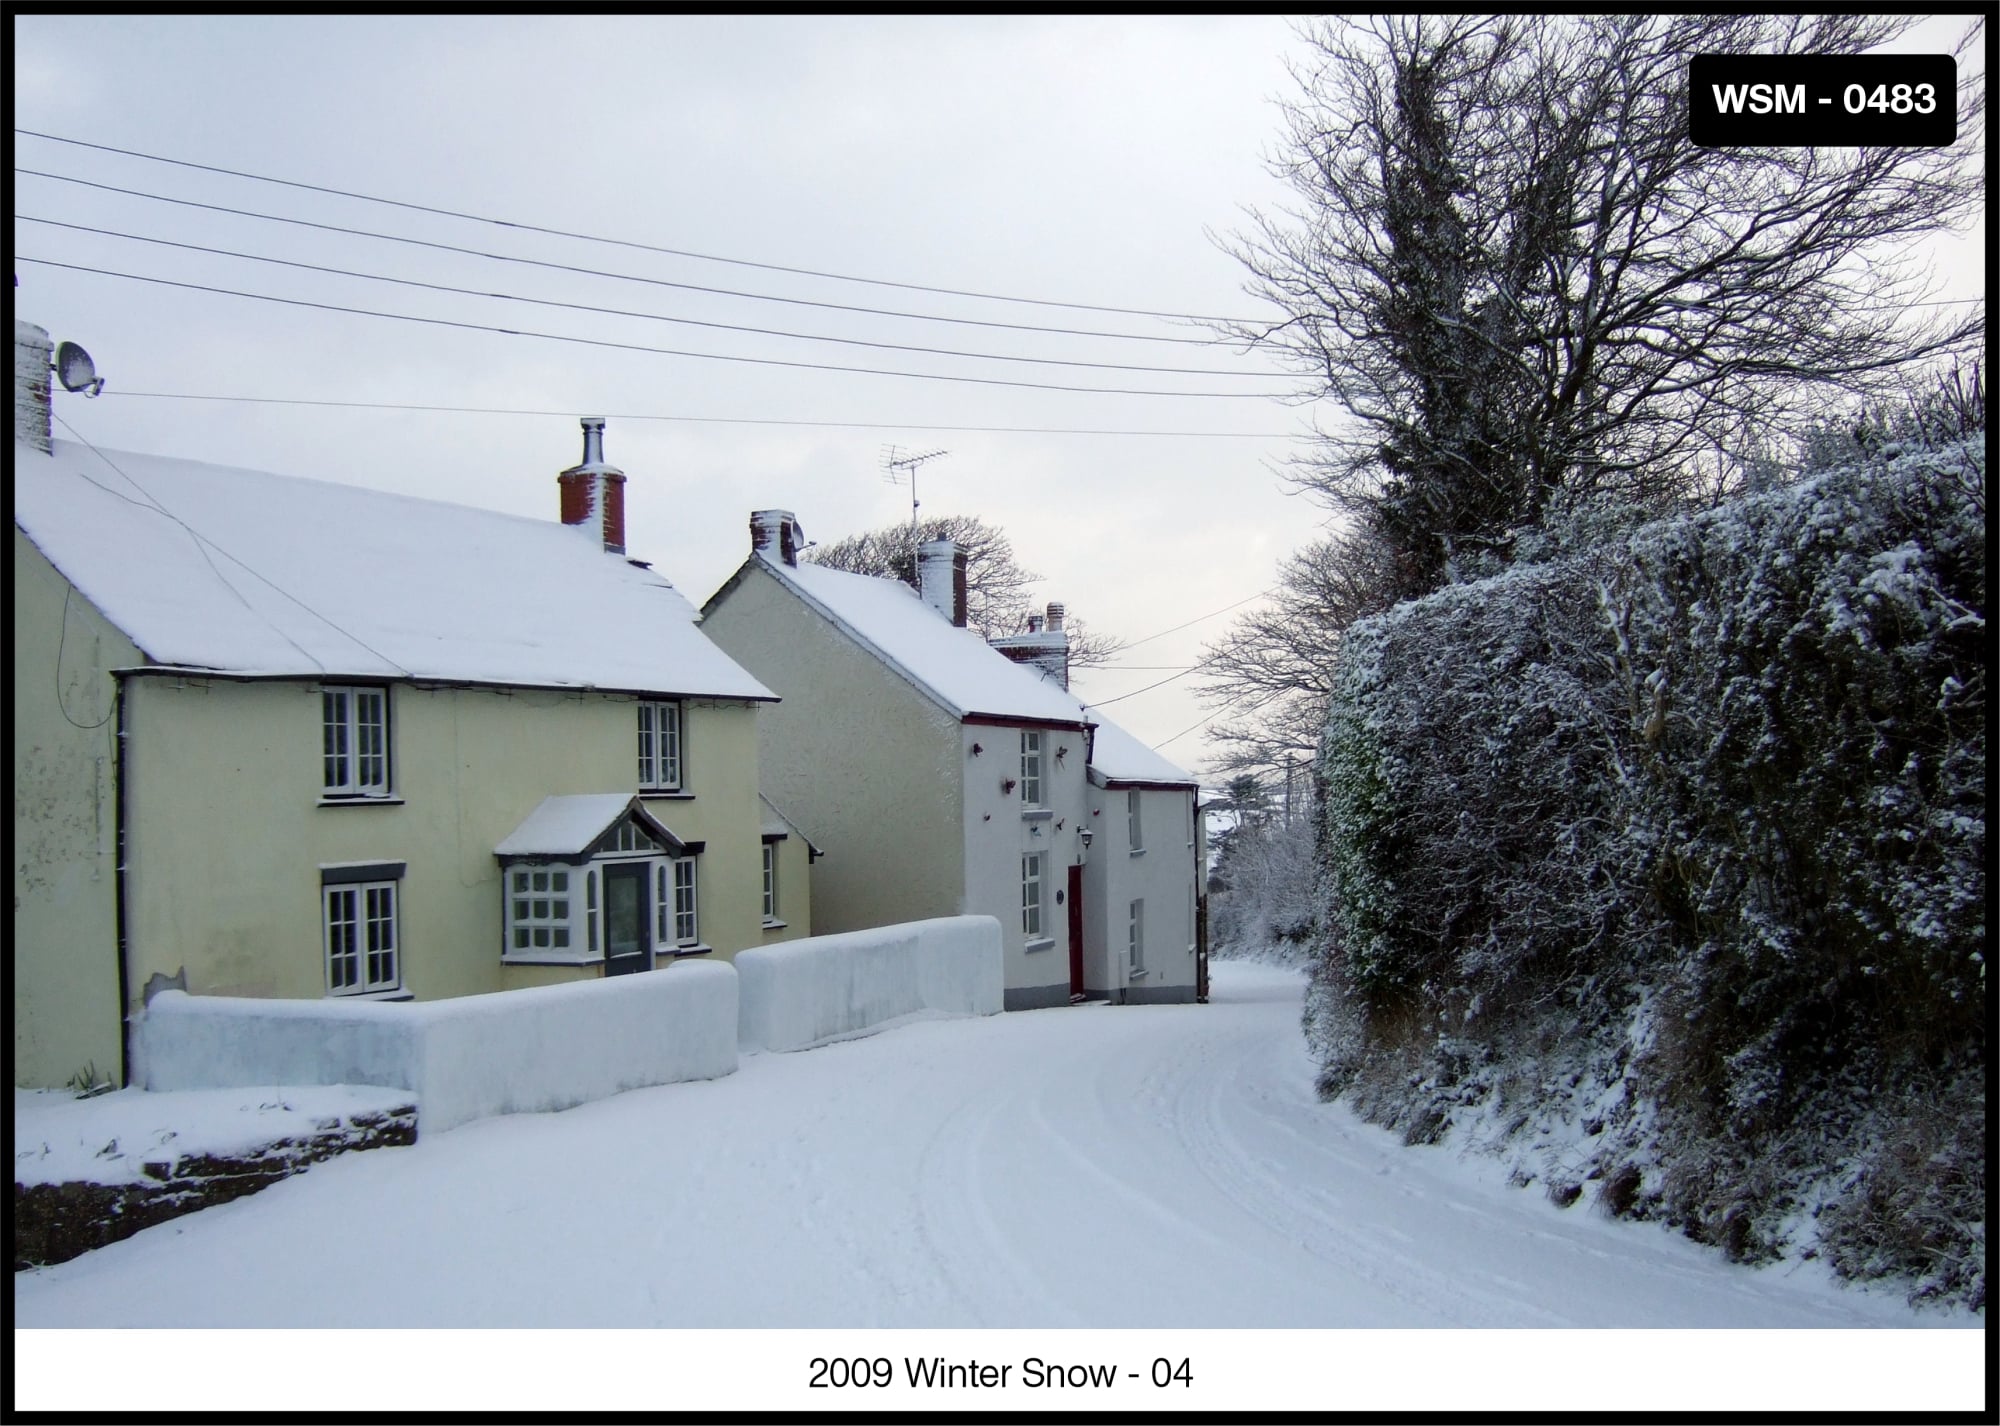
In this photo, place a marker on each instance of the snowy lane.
(1092, 1167)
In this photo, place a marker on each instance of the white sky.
(1075, 159)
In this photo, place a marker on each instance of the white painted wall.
(1000, 829)
(1164, 872)
(544, 1048)
(810, 992)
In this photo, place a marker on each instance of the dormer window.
(659, 747)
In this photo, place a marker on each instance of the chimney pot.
(1055, 618)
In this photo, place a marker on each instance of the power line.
(643, 316)
(626, 243)
(705, 420)
(601, 272)
(655, 351)
(1196, 620)
(1183, 673)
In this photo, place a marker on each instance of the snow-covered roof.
(1118, 757)
(565, 826)
(210, 567)
(953, 665)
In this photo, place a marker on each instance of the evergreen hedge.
(1679, 844)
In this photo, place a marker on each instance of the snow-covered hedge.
(1683, 840)
(806, 993)
(514, 1051)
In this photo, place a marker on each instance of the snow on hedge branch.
(1692, 826)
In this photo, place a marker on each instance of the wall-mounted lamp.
(1087, 835)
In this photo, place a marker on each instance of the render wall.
(866, 764)
(63, 948)
(836, 987)
(228, 831)
(1000, 829)
(525, 1052)
(1164, 873)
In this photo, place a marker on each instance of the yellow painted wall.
(63, 950)
(228, 831)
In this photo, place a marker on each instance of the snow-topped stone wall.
(516, 1051)
(810, 992)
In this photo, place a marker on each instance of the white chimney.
(1044, 647)
(31, 384)
(941, 579)
(778, 534)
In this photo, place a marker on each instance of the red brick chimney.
(593, 492)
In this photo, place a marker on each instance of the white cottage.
(943, 776)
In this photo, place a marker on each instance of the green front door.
(628, 930)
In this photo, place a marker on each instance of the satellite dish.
(76, 370)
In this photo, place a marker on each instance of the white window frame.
(1031, 895)
(686, 903)
(770, 883)
(354, 741)
(1135, 820)
(549, 910)
(661, 746)
(1031, 767)
(360, 938)
(1135, 940)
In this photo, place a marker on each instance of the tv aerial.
(76, 371)
(896, 465)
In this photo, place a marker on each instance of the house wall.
(1164, 874)
(228, 831)
(63, 951)
(999, 831)
(867, 764)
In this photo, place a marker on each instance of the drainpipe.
(118, 838)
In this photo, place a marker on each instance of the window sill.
(1135, 974)
(1138, 851)
(665, 794)
(1040, 943)
(1037, 814)
(507, 960)
(678, 951)
(376, 995)
(771, 924)
(361, 802)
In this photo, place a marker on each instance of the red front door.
(1075, 932)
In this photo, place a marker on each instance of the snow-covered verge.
(88, 1172)
(548, 1047)
(810, 992)
(1662, 869)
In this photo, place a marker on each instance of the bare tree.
(1271, 674)
(997, 602)
(1518, 281)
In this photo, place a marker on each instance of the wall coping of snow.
(811, 992)
(509, 1052)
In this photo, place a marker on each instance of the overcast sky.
(1067, 159)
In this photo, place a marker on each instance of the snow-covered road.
(1091, 1167)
